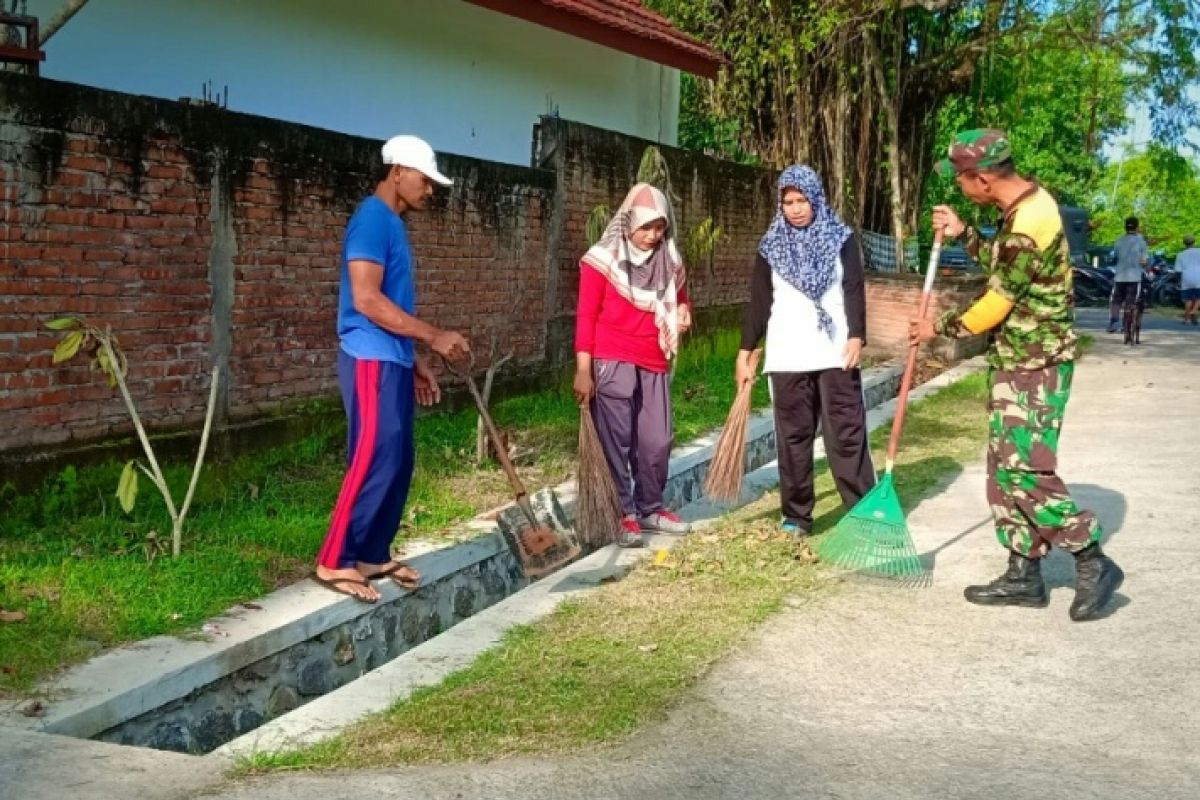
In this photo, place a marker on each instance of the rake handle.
(910, 368)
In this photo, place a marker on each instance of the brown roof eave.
(680, 52)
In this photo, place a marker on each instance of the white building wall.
(469, 80)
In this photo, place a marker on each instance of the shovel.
(540, 546)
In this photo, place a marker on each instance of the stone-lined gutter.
(434, 661)
(302, 647)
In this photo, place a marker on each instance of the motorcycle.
(1092, 286)
(1165, 289)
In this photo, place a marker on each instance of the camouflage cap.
(977, 149)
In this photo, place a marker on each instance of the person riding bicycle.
(1131, 318)
(1133, 254)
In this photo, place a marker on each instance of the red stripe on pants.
(366, 391)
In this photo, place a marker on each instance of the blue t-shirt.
(377, 234)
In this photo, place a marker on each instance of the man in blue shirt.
(380, 374)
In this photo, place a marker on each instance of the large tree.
(867, 91)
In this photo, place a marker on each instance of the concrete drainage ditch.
(263, 660)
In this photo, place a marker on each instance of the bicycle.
(1131, 316)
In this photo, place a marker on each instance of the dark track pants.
(832, 398)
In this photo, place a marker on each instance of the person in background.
(1187, 264)
(1133, 254)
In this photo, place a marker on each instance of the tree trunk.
(892, 145)
(62, 17)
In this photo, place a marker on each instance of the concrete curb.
(122, 684)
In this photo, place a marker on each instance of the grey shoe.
(663, 521)
(630, 534)
(630, 540)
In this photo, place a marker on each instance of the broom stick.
(724, 480)
(597, 509)
(910, 367)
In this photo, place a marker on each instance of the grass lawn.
(87, 576)
(599, 667)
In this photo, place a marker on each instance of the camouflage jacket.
(1028, 264)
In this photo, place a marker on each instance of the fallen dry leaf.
(11, 616)
(252, 606)
(212, 629)
(648, 648)
(805, 554)
(7, 670)
(35, 709)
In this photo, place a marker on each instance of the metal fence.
(880, 251)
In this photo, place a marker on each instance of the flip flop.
(391, 572)
(335, 584)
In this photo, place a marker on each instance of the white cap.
(414, 153)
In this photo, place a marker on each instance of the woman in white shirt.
(807, 296)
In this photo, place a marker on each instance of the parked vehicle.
(956, 261)
(1075, 228)
(1165, 289)
(1093, 287)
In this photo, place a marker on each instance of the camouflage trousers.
(1031, 506)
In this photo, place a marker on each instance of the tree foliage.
(869, 91)
(1159, 187)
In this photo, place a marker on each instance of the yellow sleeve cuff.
(987, 313)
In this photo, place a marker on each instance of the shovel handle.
(910, 368)
(497, 442)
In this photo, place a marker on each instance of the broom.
(724, 480)
(873, 537)
(597, 509)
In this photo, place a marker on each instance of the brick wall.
(207, 237)
(204, 237)
(893, 300)
(596, 166)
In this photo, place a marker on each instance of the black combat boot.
(1097, 577)
(1020, 585)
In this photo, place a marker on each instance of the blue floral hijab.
(806, 258)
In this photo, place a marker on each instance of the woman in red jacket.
(632, 308)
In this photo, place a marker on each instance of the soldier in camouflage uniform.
(1028, 308)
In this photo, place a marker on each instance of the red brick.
(143, 222)
(121, 202)
(165, 171)
(102, 220)
(86, 163)
(85, 200)
(103, 255)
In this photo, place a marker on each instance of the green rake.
(873, 537)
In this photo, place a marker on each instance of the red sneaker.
(664, 521)
(630, 533)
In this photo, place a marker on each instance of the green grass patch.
(88, 576)
(597, 668)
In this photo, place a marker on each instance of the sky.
(1138, 134)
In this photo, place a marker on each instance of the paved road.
(874, 692)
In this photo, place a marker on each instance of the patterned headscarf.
(650, 280)
(806, 257)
